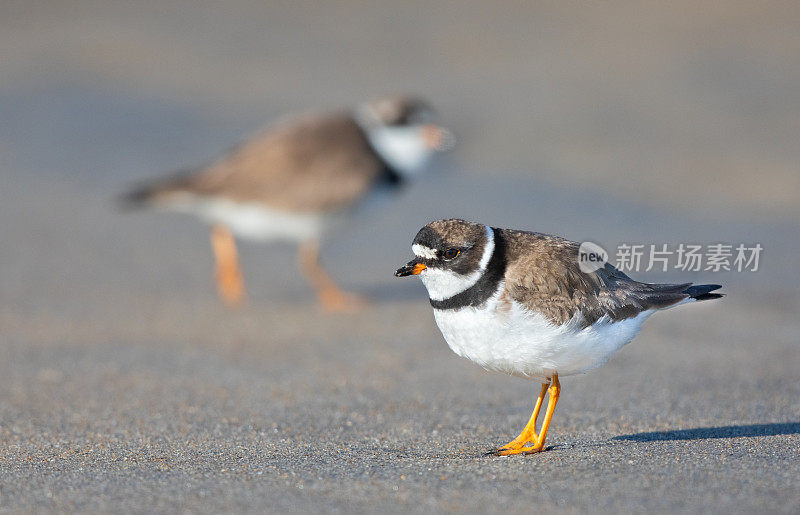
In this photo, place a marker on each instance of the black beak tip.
(404, 271)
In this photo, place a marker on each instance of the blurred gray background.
(124, 386)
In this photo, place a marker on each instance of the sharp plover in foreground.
(291, 180)
(517, 302)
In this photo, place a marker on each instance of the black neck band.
(389, 176)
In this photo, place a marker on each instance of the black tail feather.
(148, 192)
(703, 291)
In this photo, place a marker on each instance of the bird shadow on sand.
(703, 433)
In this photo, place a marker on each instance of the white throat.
(403, 148)
(443, 284)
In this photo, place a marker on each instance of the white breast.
(527, 345)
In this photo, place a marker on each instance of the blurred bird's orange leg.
(230, 284)
(329, 294)
(555, 391)
(529, 433)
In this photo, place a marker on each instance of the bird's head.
(402, 130)
(450, 256)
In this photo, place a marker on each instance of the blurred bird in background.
(295, 178)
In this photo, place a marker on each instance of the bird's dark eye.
(451, 254)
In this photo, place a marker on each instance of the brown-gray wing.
(543, 275)
(313, 163)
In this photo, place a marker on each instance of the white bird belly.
(254, 221)
(525, 344)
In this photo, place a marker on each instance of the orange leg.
(529, 433)
(554, 390)
(230, 284)
(329, 294)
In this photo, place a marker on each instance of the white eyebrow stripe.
(423, 251)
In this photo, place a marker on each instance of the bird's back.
(311, 163)
(543, 276)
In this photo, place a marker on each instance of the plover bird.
(518, 302)
(293, 179)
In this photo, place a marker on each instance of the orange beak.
(437, 138)
(410, 268)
